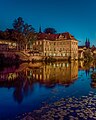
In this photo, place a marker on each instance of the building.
(86, 49)
(60, 46)
(81, 50)
(87, 43)
(7, 44)
(93, 50)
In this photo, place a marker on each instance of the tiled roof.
(65, 35)
(93, 48)
(47, 36)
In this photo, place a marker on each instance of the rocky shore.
(83, 108)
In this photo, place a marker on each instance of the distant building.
(93, 50)
(62, 45)
(87, 43)
(86, 47)
(81, 50)
(8, 44)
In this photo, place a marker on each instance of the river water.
(29, 86)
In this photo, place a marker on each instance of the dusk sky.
(75, 16)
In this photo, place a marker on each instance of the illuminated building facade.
(62, 45)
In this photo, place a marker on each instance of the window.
(50, 54)
(54, 54)
(60, 49)
(63, 54)
(54, 43)
(54, 49)
(40, 42)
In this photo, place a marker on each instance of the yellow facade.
(11, 44)
(63, 73)
(59, 72)
(60, 48)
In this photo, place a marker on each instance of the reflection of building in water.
(59, 72)
(62, 73)
(23, 79)
(8, 74)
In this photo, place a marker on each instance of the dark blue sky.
(75, 16)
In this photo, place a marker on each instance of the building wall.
(57, 48)
(10, 43)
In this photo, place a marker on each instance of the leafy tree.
(23, 32)
(50, 30)
(88, 55)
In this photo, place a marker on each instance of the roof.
(93, 48)
(46, 36)
(67, 35)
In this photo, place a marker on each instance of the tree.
(23, 32)
(88, 55)
(28, 32)
(18, 24)
(50, 30)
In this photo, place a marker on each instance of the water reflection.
(22, 79)
(86, 66)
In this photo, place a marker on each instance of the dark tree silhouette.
(1, 34)
(18, 24)
(27, 29)
(50, 30)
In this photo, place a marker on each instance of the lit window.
(63, 54)
(54, 54)
(40, 77)
(50, 54)
(63, 64)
